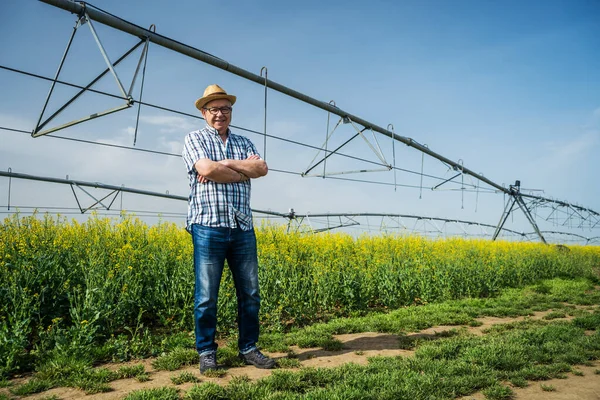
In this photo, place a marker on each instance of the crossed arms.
(228, 171)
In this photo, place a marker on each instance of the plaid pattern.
(217, 205)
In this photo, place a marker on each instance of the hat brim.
(201, 102)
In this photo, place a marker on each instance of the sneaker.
(258, 359)
(208, 361)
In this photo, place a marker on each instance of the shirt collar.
(214, 131)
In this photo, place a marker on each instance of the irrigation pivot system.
(531, 206)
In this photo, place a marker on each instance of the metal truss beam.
(84, 210)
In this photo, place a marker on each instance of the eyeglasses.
(215, 110)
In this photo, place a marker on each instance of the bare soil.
(357, 348)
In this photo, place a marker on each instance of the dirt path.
(357, 348)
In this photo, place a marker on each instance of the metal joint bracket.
(328, 153)
(98, 201)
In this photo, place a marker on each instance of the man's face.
(219, 121)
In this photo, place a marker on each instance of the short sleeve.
(193, 150)
(251, 149)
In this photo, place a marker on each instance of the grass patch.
(590, 322)
(498, 392)
(228, 355)
(32, 386)
(273, 342)
(332, 345)
(547, 388)
(184, 377)
(176, 359)
(519, 382)
(130, 371)
(289, 363)
(410, 342)
(207, 391)
(92, 387)
(555, 315)
(163, 393)
(215, 373)
(578, 372)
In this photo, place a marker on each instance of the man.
(220, 165)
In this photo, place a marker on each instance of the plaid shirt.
(224, 205)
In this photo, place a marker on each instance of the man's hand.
(202, 179)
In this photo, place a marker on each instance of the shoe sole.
(261, 366)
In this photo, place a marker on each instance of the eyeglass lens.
(215, 110)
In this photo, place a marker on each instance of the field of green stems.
(108, 286)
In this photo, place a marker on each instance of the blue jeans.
(212, 246)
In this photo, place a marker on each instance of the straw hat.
(213, 92)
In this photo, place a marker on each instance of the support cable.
(390, 128)
(9, 186)
(477, 196)
(421, 174)
(327, 136)
(265, 121)
(137, 119)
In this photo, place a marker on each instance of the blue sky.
(509, 88)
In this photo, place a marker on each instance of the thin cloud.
(568, 152)
(170, 146)
(571, 151)
(170, 124)
(594, 122)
